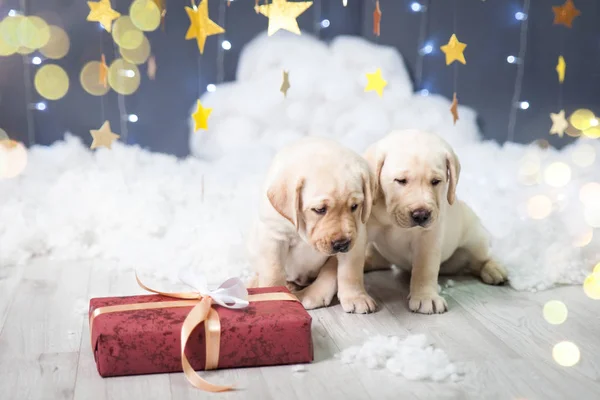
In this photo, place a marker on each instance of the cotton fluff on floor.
(150, 211)
(413, 358)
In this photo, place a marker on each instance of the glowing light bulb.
(132, 118)
(416, 7)
(345, 2)
(211, 88)
(12, 13)
(566, 354)
(424, 92)
(427, 49)
(594, 122)
(226, 44)
(520, 16)
(325, 23)
(511, 59)
(524, 105)
(36, 60)
(128, 73)
(40, 106)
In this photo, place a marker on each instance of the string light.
(12, 13)
(226, 45)
(524, 105)
(520, 16)
(512, 59)
(424, 92)
(325, 23)
(36, 60)
(211, 87)
(132, 118)
(41, 106)
(427, 49)
(417, 7)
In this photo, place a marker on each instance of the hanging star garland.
(559, 123)
(560, 69)
(200, 25)
(375, 82)
(282, 14)
(285, 86)
(201, 117)
(103, 136)
(454, 108)
(102, 12)
(377, 19)
(454, 50)
(565, 14)
(103, 72)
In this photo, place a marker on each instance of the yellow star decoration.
(200, 25)
(559, 123)
(201, 117)
(560, 69)
(454, 50)
(282, 14)
(375, 82)
(101, 11)
(103, 136)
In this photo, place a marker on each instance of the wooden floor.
(498, 334)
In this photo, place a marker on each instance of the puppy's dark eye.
(354, 207)
(435, 182)
(401, 181)
(320, 211)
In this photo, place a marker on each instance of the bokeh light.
(557, 174)
(583, 239)
(58, 45)
(566, 354)
(51, 82)
(145, 15)
(138, 55)
(582, 119)
(597, 269)
(125, 33)
(593, 132)
(6, 49)
(583, 155)
(529, 170)
(3, 134)
(9, 30)
(90, 79)
(123, 76)
(539, 207)
(591, 286)
(33, 32)
(555, 312)
(589, 194)
(591, 214)
(13, 158)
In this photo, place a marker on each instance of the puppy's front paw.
(360, 303)
(493, 273)
(312, 299)
(428, 303)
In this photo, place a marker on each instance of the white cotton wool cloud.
(149, 211)
(413, 357)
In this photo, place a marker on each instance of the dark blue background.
(486, 83)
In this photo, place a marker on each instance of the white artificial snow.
(299, 368)
(148, 211)
(413, 357)
(450, 283)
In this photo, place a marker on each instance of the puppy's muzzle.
(341, 246)
(420, 216)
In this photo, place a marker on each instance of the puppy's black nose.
(420, 216)
(340, 245)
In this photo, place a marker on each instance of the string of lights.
(28, 87)
(421, 45)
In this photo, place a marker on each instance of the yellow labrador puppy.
(418, 224)
(312, 224)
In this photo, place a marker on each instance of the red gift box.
(148, 341)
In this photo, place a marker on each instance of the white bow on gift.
(230, 294)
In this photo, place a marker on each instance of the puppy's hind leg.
(320, 293)
(374, 260)
(481, 263)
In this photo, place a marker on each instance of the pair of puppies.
(328, 215)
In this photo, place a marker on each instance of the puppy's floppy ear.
(375, 159)
(453, 170)
(285, 196)
(369, 186)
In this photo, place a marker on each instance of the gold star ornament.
(559, 123)
(560, 69)
(375, 82)
(454, 108)
(103, 136)
(565, 14)
(101, 11)
(282, 14)
(285, 86)
(454, 50)
(201, 117)
(201, 26)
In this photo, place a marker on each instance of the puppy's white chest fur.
(303, 262)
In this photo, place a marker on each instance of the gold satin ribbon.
(202, 311)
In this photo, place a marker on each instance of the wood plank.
(10, 277)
